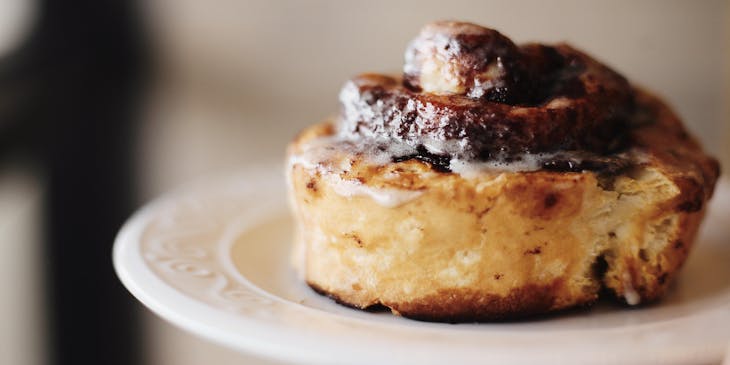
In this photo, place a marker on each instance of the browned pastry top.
(469, 92)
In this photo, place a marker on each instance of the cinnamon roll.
(493, 181)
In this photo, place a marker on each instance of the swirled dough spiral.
(495, 181)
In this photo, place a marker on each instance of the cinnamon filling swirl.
(469, 93)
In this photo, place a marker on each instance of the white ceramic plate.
(212, 258)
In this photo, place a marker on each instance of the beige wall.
(241, 77)
(268, 68)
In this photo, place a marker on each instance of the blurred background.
(105, 104)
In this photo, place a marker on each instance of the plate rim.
(298, 344)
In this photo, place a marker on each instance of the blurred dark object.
(68, 100)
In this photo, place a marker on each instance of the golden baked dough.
(497, 241)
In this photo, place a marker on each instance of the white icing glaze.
(355, 107)
(432, 56)
(630, 294)
(330, 156)
(386, 197)
(318, 152)
(471, 169)
(321, 152)
(325, 156)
